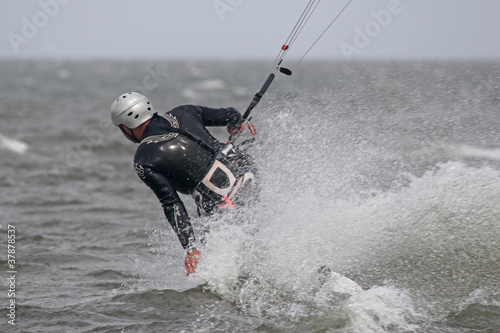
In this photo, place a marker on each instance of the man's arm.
(220, 117)
(173, 207)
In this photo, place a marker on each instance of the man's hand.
(191, 261)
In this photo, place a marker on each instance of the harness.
(227, 174)
(224, 178)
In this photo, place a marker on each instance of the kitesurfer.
(177, 153)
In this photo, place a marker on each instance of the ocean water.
(388, 173)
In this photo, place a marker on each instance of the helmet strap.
(130, 135)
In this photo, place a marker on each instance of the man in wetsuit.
(177, 153)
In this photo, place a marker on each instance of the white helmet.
(131, 110)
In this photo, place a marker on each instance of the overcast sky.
(232, 29)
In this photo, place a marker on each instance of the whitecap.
(210, 85)
(12, 145)
(459, 151)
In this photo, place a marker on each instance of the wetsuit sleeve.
(173, 207)
(220, 117)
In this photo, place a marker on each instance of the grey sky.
(229, 29)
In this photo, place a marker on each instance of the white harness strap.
(246, 177)
(234, 185)
(221, 191)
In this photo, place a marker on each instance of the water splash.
(433, 240)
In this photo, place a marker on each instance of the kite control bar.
(258, 95)
(255, 100)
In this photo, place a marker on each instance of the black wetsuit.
(178, 154)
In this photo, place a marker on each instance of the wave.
(14, 145)
(461, 151)
(203, 88)
(478, 312)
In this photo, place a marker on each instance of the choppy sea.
(386, 172)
